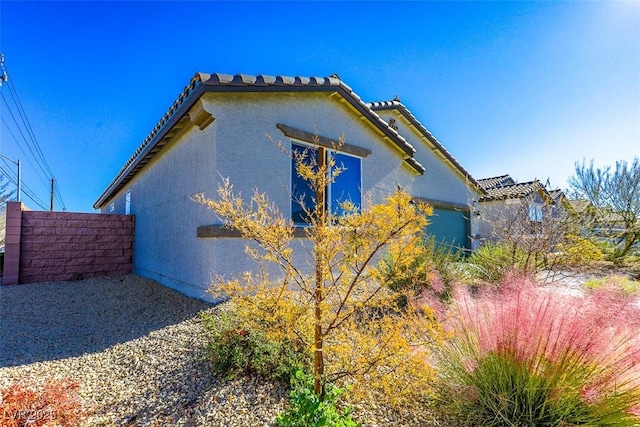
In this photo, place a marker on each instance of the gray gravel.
(135, 348)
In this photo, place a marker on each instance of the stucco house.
(219, 127)
(512, 208)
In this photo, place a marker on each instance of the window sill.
(220, 231)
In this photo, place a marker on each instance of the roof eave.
(402, 109)
(144, 153)
(202, 83)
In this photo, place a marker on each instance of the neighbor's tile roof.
(400, 107)
(557, 194)
(496, 181)
(513, 191)
(202, 83)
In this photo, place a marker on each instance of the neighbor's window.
(535, 213)
(345, 187)
(127, 203)
(535, 219)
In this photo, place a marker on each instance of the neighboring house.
(218, 128)
(511, 209)
(599, 222)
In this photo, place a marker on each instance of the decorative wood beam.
(323, 141)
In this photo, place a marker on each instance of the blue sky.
(524, 88)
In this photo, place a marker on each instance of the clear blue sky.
(525, 88)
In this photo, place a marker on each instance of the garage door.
(450, 227)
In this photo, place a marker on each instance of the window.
(127, 203)
(535, 219)
(345, 187)
(535, 213)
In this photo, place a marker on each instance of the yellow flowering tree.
(342, 312)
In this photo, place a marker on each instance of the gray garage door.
(450, 227)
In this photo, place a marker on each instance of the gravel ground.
(136, 349)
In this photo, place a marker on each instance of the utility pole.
(19, 175)
(51, 205)
(19, 179)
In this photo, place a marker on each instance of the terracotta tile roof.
(395, 104)
(514, 191)
(202, 83)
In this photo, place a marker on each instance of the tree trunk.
(321, 223)
(629, 240)
(318, 361)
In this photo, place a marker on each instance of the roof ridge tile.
(284, 80)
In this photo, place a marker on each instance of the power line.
(9, 173)
(25, 120)
(29, 139)
(17, 125)
(23, 184)
(42, 179)
(25, 189)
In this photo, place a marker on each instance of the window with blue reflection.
(301, 193)
(346, 185)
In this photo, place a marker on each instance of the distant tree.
(615, 195)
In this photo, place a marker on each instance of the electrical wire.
(25, 189)
(23, 186)
(17, 125)
(27, 124)
(42, 179)
(31, 142)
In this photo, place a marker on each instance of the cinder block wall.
(56, 246)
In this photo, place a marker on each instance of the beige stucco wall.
(441, 182)
(236, 146)
(513, 213)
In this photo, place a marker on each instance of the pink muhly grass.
(436, 282)
(613, 302)
(589, 343)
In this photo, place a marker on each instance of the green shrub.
(308, 410)
(609, 250)
(434, 269)
(492, 261)
(236, 350)
(580, 251)
(615, 283)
